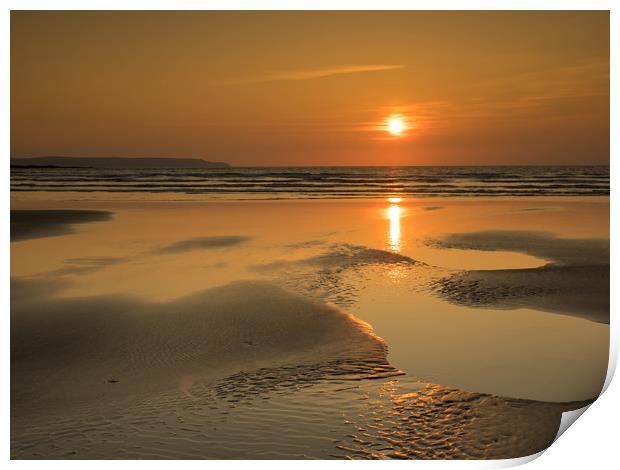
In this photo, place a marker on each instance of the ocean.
(321, 182)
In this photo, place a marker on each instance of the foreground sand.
(91, 376)
(268, 368)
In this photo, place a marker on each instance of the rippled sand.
(129, 380)
(296, 412)
(109, 347)
(574, 281)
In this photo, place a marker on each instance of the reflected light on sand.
(394, 216)
(397, 273)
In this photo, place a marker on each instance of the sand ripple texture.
(257, 417)
(575, 280)
(247, 370)
(70, 350)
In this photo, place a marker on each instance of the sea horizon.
(337, 182)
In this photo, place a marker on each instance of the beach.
(366, 328)
(307, 234)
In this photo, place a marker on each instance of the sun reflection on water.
(394, 213)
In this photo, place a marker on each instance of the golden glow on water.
(394, 213)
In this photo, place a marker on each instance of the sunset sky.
(313, 88)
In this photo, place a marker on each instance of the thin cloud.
(310, 74)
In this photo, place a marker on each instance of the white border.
(592, 442)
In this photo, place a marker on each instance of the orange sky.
(313, 88)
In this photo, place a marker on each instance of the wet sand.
(86, 344)
(125, 364)
(575, 280)
(273, 349)
(29, 224)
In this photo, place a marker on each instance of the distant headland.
(115, 162)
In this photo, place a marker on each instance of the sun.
(396, 125)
